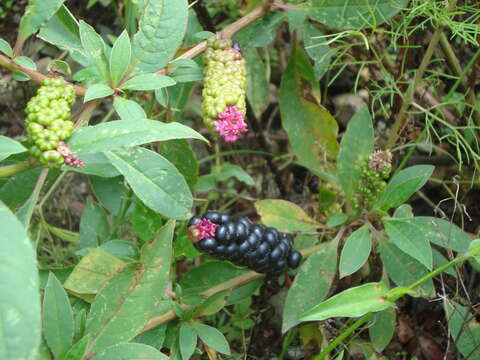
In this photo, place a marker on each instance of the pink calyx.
(70, 160)
(230, 124)
(204, 229)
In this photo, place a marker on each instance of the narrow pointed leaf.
(57, 317)
(355, 252)
(128, 110)
(130, 351)
(148, 82)
(97, 91)
(353, 302)
(120, 57)
(213, 338)
(187, 340)
(62, 30)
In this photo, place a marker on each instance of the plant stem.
(229, 284)
(456, 68)
(10, 170)
(35, 75)
(401, 118)
(343, 335)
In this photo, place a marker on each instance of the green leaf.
(94, 227)
(257, 82)
(62, 30)
(353, 302)
(357, 143)
(9, 146)
(409, 237)
(187, 74)
(95, 164)
(97, 91)
(464, 329)
(116, 134)
(355, 252)
(285, 216)
(443, 233)
(20, 306)
(403, 211)
(18, 188)
(311, 130)
(226, 171)
(381, 331)
(122, 249)
(213, 304)
(354, 14)
(404, 269)
(180, 154)
(120, 57)
(311, 284)
(440, 260)
(404, 184)
(36, 14)
(78, 349)
(199, 279)
(212, 337)
(161, 30)
(187, 339)
(133, 296)
(25, 62)
(262, 32)
(145, 221)
(155, 181)
(336, 220)
(59, 66)
(317, 49)
(6, 48)
(94, 47)
(57, 317)
(148, 82)
(128, 109)
(130, 351)
(20, 76)
(109, 191)
(93, 271)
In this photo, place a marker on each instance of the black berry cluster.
(256, 246)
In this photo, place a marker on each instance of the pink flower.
(205, 228)
(230, 124)
(70, 160)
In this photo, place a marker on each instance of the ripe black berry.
(294, 259)
(263, 249)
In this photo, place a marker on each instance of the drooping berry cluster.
(260, 248)
(224, 89)
(48, 121)
(374, 170)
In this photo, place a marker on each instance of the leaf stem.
(10, 170)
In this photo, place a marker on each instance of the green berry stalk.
(375, 169)
(48, 120)
(224, 103)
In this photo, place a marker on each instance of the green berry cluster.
(374, 170)
(47, 121)
(224, 79)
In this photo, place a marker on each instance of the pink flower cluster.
(205, 229)
(230, 124)
(70, 160)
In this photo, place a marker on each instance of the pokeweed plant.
(114, 291)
